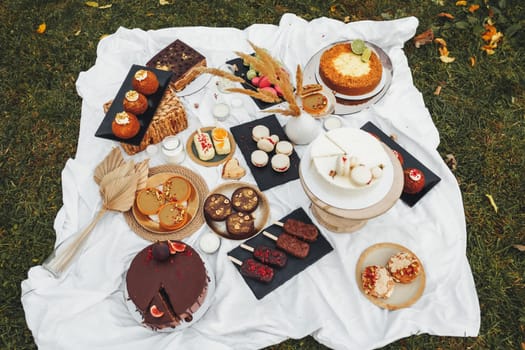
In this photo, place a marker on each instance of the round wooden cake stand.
(341, 220)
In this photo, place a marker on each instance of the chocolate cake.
(168, 283)
(179, 58)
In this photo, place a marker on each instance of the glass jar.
(173, 150)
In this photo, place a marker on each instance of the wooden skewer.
(269, 235)
(247, 247)
(235, 260)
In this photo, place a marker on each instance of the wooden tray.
(403, 295)
(218, 159)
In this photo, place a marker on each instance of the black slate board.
(241, 72)
(318, 249)
(431, 179)
(104, 130)
(265, 177)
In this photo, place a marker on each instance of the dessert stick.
(290, 244)
(299, 229)
(254, 269)
(267, 255)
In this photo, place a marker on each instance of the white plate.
(183, 324)
(403, 295)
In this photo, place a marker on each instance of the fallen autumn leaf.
(492, 202)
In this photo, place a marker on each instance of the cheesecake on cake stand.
(350, 177)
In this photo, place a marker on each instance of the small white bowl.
(209, 243)
(332, 122)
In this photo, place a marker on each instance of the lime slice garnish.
(365, 57)
(358, 46)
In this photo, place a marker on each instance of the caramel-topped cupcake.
(145, 82)
(135, 102)
(125, 125)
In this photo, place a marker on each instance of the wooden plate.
(261, 214)
(218, 159)
(150, 222)
(403, 295)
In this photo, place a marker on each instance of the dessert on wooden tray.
(168, 283)
(350, 68)
(168, 203)
(236, 210)
(211, 145)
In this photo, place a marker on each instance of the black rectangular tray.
(265, 177)
(104, 130)
(431, 179)
(318, 249)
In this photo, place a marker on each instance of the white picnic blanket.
(86, 309)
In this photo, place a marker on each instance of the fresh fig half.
(155, 312)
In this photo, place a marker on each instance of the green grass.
(479, 113)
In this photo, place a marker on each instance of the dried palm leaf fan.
(118, 182)
(268, 66)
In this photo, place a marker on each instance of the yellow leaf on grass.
(440, 41)
(461, 3)
(472, 61)
(91, 3)
(473, 8)
(445, 15)
(105, 6)
(164, 2)
(492, 202)
(447, 59)
(41, 28)
(490, 30)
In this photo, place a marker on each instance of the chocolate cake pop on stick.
(290, 244)
(299, 229)
(254, 269)
(267, 255)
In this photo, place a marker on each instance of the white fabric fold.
(86, 308)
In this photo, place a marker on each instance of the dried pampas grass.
(268, 66)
